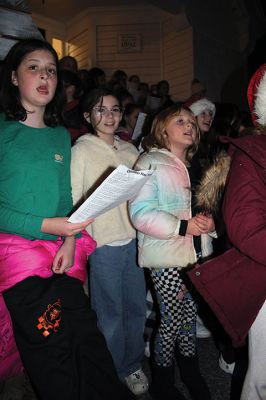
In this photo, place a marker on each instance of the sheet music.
(139, 124)
(121, 185)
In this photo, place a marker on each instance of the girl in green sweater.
(42, 275)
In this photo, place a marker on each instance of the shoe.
(137, 382)
(228, 368)
(201, 331)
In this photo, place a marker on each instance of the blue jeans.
(118, 296)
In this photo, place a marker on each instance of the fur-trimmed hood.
(210, 191)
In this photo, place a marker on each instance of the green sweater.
(34, 177)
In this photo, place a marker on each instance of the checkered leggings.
(178, 313)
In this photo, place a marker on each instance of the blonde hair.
(158, 135)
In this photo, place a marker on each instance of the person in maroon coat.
(234, 284)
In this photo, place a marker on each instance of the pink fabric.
(19, 259)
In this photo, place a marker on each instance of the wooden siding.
(166, 45)
(177, 59)
(146, 63)
(78, 48)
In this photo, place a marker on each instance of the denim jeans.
(118, 295)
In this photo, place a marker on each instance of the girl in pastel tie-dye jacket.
(169, 240)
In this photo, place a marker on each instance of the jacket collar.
(167, 153)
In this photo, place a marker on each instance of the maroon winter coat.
(234, 284)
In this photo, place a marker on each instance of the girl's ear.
(14, 78)
(86, 115)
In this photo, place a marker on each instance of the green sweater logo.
(58, 158)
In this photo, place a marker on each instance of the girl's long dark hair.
(95, 96)
(10, 102)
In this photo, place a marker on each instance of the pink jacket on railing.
(21, 258)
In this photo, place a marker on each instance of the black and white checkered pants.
(178, 313)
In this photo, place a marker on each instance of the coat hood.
(253, 146)
(209, 192)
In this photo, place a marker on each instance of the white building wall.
(78, 48)
(224, 34)
(165, 51)
(104, 27)
(146, 62)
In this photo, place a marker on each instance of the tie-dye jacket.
(157, 210)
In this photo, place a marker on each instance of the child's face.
(205, 120)
(181, 131)
(36, 78)
(106, 116)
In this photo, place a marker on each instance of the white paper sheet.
(139, 124)
(121, 185)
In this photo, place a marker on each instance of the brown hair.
(158, 135)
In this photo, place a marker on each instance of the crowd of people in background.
(138, 96)
(165, 229)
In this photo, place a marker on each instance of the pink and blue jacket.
(157, 210)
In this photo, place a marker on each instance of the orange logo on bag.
(50, 319)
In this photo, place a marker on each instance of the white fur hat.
(201, 105)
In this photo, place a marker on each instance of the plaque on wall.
(129, 43)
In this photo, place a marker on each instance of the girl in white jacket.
(170, 239)
(117, 284)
